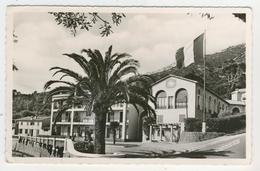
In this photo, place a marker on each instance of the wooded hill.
(225, 71)
(29, 105)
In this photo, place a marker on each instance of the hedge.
(84, 147)
(228, 124)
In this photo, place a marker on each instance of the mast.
(204, 84)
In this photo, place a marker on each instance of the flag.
(192, 52)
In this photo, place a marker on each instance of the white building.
(178, 98)
(33, 126)
(76, 122)
(237, 104)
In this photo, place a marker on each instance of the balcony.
(82, 117)
(118, 106)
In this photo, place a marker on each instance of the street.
(232, 146)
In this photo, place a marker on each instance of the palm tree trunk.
(100, 127)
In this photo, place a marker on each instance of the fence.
(40, 146)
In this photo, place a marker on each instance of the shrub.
(227, 124)
(84, 147)
(193, 125)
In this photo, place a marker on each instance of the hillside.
(225, 70)
(29, 105)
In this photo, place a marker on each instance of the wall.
(211, 107)
(172, 115)
(242, 108)
(36, 127)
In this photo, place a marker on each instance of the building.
(237, 104)
(33, 126)
(77, 122)
(178, 98)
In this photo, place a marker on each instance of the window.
(79, 105)
(108, 117)
(170, 102)
(31, 123)
(55, 104)
(219, 107)
(20, 131)
(198, 102)
(209, 105)
(108, 132)
(161, 100)
(121, 117)
(21, 123)
(215, 103)
(26, 131)
(159, 119)
(181, 98)
(222, 106)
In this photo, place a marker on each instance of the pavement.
(229, 146)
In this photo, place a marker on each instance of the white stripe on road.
(227, 146)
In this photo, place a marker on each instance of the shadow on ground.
(173, 154)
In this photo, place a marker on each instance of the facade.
(237, 104)
(178, 98)
(77, 122)
(33, 126)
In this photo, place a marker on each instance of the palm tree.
(107, 80)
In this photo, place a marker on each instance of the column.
(171, 133)
(51, 116)
(151, 128)
(160, 132)
(182, 126)
(124, 122)
(71, 121)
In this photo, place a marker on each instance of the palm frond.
(68, 72)
(51, 82)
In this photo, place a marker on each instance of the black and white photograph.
(98, 83)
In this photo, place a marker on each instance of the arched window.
(215, 103)
(209, 105)
(161, 100)
(235, 110)
(181, 98)
(198, 99)
(219, 107)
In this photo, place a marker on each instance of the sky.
(150, 38)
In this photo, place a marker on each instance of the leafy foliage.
(229, 124)
(84, 147)
(29, 105)
(75, 21)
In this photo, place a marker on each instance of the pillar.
(123, 132)
(160, 132)
(151, 129)
(171, 133)
(203, 127)
(182, 126)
